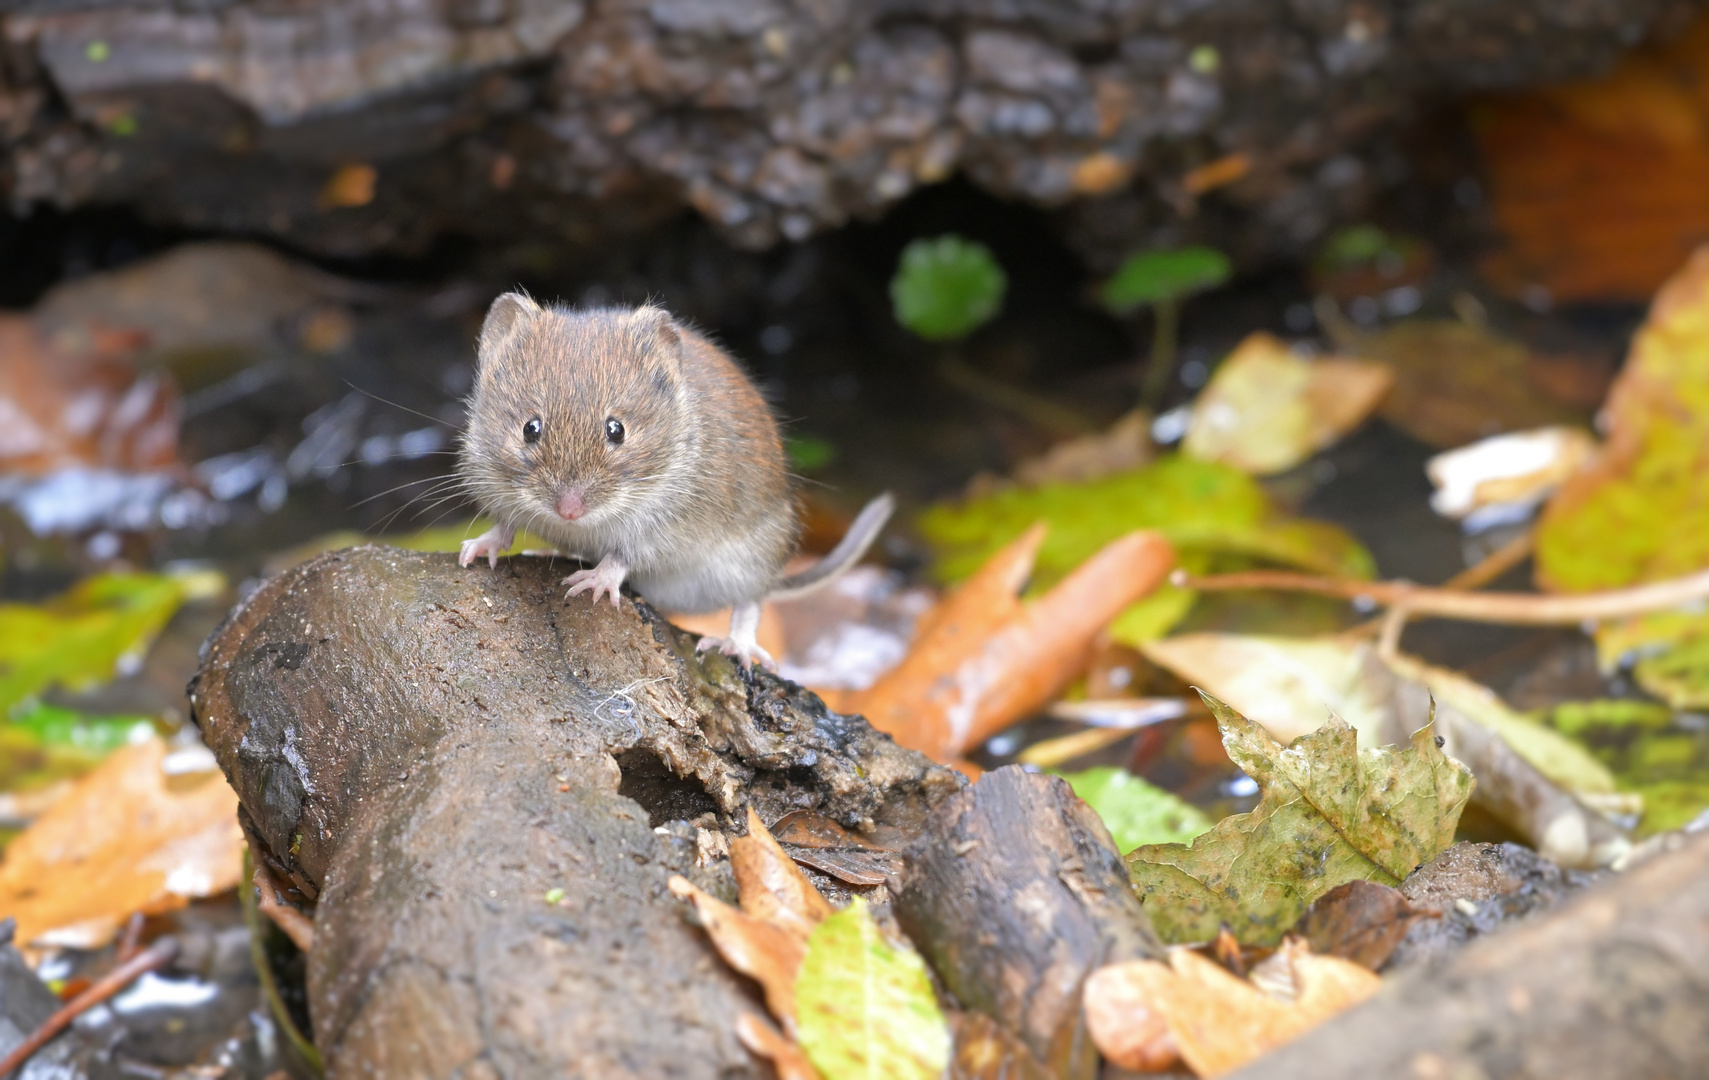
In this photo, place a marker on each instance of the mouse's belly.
(704, 577)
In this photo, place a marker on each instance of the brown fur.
(695, 500)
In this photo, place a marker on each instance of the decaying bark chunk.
(432, 752)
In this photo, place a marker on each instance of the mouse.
(634, 443)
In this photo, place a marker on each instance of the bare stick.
(159, 954)
(1524, 609)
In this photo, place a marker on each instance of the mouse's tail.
(862, 532)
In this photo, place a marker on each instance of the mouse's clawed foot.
(606, 578)
(745, 653)
(743, 642)
(492, 543)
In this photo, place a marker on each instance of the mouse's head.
(576, 415)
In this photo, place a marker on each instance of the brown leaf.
(1219, 1021)
(1127, 1029)
(769, 954)
(771, 886)
(982, 659)
(127, 838)
(1361, 921)
(1126, 444)
(84, 407)
(1456, 383)
(1598, 185)
(785, 1056)
(985, 1050)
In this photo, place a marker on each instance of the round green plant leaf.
(1152, 277)
(947, 287)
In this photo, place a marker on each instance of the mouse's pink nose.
(570, 504)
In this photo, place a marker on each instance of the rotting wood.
(1015, 894)
(429, 751)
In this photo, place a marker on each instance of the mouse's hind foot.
(743, 641)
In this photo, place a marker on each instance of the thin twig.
(130, 942)
(1519, 609)
(157, 955)
(1476, 576)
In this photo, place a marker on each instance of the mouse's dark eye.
(613, 430)
(531, 431)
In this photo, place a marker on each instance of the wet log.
(484, 788)
(355, 126)
(1015, 894)
(1610, 984)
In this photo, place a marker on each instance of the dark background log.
(1015, 894)
(430, 751)
(1611, 985)
(774, 119)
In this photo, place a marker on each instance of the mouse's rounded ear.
(509, 313)
(655, 324)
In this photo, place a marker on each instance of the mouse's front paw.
(606, 578)
(745, 652)
(492, 543)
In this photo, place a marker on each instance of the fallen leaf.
(1328, 812)
(1291, 685)
(1218, 1021)
(1267, 409)
(1653, 752)
(1128, 1029)
(1198, 506)
(982, 659)
(787, 1059)
(768, 953)
(1360, 921)
(81, 638)
(865, 1007)
(1137, 812)
(90, 409)
(1643, 514)
(127, 838)
(1597, 185)
(1504, 477)
(1455, 382)
(1124, 445)
(771, 886)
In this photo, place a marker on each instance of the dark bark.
(429, 751)
(1015, 894)
(774, 119)
(1611, 985)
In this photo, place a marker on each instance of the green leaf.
(79, 639)
(1652, 751)
(946, 288)
(1644, 514)
(1137, 812)
(1153, 276)
(865, 1009)
(1328, 813)
(52, 725)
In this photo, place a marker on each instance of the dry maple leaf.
(120, 841)
(983, 659)
(787, 1059)
(1217, 1021)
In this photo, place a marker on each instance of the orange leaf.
(769, 954)
(786, 1058)
(119, 842)
(1219, 1022)
(982, 659)
(771, 886)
